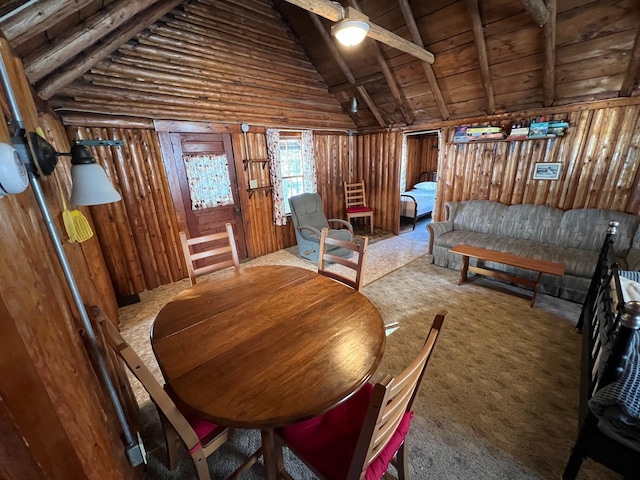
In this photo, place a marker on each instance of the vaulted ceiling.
(276, 63)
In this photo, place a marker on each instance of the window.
(291, 167)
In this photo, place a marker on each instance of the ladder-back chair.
(358, 246)
(218, 249)
(356, 202)
(361, 436)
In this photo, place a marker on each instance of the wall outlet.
(253, 183)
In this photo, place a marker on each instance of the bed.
(610, 380)
(420, 200)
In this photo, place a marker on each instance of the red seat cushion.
(358, 209)
(328, 441)
(202, 427)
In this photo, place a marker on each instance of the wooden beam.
(633, 70)
(428, 69)
(399, 97)
(537, 10)
(483, 62)
(373, 78)
(346, 70)
(334, 12)
(108, 45)
(549, 74)
(37, 18)
(82, 36)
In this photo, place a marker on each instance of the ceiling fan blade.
(334, 12)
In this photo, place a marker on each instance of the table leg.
(464, 269)
(272, 454)
(535, 289)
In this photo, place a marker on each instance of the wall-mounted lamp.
(90, 183)
(350, 32)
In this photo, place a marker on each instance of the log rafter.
(549, 75)
(538, 11)
(346, 71)
(68, 73)
(483, 60)
(428, 69)
(44, 61)
(401, 101)
(633, 70)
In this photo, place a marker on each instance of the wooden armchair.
(200, 436)
(362, 435)
(356, 202)
(218, 250)
(358, 246)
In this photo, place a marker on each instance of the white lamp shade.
(13, 174)
(91, 186)
(350, 32)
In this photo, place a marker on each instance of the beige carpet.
(500, 396)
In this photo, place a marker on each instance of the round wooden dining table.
(267, 346)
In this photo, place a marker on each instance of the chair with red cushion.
(361, 436)
(200, 436)
(356, 202)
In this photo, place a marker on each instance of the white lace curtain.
(308, 169)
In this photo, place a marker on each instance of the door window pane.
(209, 182)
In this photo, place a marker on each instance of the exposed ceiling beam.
(428, 69)
(399, 97)
(37, 18)
(107, 45)
(538, 11)
(633, 70)
(483, 61)
(549, 75)
(82, 36)
(373, 78)
(347, 72)
(335, 12)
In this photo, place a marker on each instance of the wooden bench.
(540, 266)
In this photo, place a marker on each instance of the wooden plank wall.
(139, 235)
(422, 156)
(50, 394)
(600, 157)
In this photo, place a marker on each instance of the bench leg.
(464, 269)
(535, 289)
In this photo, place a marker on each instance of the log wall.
(53, 412)
(599, 156)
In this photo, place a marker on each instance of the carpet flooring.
(500, 396)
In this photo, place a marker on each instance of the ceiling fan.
(351, 18)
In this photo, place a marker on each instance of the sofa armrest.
(633, 259)
(436, 229)
(342, 222)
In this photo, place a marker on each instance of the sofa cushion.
(476, 215)
(585, 228)
(539, 223)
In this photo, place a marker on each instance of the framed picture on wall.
(546, 171)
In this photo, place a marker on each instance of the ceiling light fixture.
(354, 105)
(350, 32)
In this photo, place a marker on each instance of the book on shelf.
(538, 129)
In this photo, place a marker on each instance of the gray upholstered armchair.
(309, 220)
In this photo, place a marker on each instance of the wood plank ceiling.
(172, 59)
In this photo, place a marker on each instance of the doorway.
(208, 189)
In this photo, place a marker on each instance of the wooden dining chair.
(219, 249)
(200, 436)
(361, 436)
(356, 202)
(358, 246)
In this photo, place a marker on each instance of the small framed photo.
(547, 171)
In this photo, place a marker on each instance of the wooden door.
(208, 187)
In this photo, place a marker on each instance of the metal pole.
(133, 450)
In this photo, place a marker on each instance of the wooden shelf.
(251, 191)
(495, 140)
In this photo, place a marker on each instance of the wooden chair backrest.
(354, 194)
(358, 246)
(390, 400)
(223, 246)
(148, 381)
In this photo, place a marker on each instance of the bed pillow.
(428, 186)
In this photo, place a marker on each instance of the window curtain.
(275, 170)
